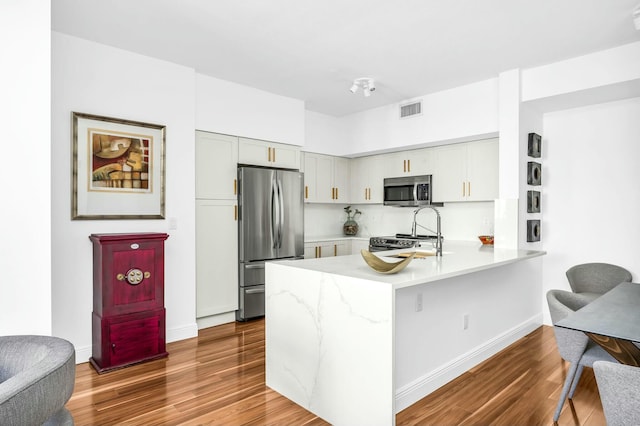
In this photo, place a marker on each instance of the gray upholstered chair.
(595, 279)
(37, 375)
(619, 387)
(574, 346)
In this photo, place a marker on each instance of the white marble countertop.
(459, 258)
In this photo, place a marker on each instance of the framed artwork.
(118, 168)
(534, 173)
(534, 145)
(533, 201)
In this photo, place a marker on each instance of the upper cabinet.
(367, 177)
(326, 179)
(270, 154)
(216, 165)
(414, 162)
(466, 171)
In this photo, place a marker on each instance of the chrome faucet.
(414, 228)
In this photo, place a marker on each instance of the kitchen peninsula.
(355, 347)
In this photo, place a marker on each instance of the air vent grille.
(410, 110)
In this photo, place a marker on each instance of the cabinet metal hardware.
(463, 190)
(269, 155)
(468, 189)
(254, 291)
(337, 193)
(260, 266)
(316, 251)
(319, 251)
(404, 166)
(335, 249)
(306, 191)
(274, 155)
(409, 166)
(235, 187)
(365, 194)
(235, 212)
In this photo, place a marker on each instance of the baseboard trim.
(213, 320)
(423, 386)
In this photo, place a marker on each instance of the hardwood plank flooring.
(218, 379)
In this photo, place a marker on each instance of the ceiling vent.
(411, 110)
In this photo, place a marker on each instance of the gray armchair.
(595, 279)
(37, 375)
(574, 346)
(619, 387)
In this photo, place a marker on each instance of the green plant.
(350, 216)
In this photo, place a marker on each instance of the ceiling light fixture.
(367, 84)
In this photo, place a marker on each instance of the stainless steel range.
(400, 241)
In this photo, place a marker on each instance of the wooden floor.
(218, 379)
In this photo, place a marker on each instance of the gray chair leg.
(565, 389)
(576, 380)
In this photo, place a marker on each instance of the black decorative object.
(534, 173)
(533, 201)
(535, 145)
(533, 231)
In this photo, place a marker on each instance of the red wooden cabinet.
(128, 299)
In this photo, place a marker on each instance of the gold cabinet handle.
(409, 166)
(306, 192)
(463, 190)
(335, 249)
(320, 251)
(235, 186)
(468, 189)
(269, 155)
(274, 155)
(337, 194)
(235, 212)
(366, 194)
(316, 251)
(404, 166)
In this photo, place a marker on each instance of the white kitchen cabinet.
(216, 166)
(367, 177)
(216, 257)
(326, 178)
(270, 154)
(316, 249)
(413, 162)
(466, 171)
(358, 244)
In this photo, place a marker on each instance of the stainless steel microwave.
(408, 191)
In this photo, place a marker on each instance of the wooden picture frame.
(118, 168)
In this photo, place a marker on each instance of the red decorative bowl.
(486, 239)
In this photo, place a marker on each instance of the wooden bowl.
(383, 267)
(486, 239)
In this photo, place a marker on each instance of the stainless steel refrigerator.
(270, 226)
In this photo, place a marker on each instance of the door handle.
(254, 291)
(261, 266)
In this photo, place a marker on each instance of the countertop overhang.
(459, 258)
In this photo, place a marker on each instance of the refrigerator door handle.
(281, 221)
(274, 214)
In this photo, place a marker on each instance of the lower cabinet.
(315, 249)
(216, 257)
(127, 339)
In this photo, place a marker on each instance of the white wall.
(25, 85)
(590, 179)
(233, 109)
(92, 78)
(464, 113)
(326, 134)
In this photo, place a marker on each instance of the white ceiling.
(313, 49)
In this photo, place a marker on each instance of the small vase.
(350, 227)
